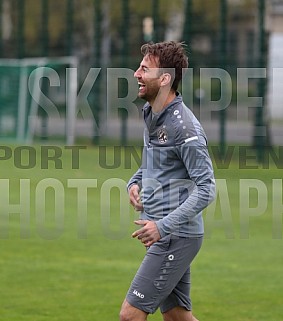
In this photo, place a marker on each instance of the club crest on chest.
(162, 135)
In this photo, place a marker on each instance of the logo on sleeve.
(162, 135)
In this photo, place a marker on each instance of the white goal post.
(22, 96)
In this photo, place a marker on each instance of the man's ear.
(165, 79)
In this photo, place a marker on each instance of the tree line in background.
(105, 33)
(32, 28)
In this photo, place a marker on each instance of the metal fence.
(95, 29)
(225, 34)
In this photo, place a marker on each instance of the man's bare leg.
(179, 314)
(130, 313)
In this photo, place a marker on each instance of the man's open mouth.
(141, 86)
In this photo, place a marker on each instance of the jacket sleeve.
(136, 179)
(196, 159)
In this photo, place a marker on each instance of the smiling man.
(171, 188)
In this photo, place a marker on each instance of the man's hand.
(148, 234)
(134, 194)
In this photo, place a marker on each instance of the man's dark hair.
(171, 55)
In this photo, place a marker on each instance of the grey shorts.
(163, 279)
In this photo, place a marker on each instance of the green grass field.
(70, 257)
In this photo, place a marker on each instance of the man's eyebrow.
(144, 66)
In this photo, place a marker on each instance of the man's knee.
(188, 317)
(124, 314)
(167, 317)
(130, 313)
(178, 313)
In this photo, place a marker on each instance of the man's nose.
(137, 73)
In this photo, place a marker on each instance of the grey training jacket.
(176, 176)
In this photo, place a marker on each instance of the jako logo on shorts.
(140, 295)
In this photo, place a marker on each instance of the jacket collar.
(147, 110)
